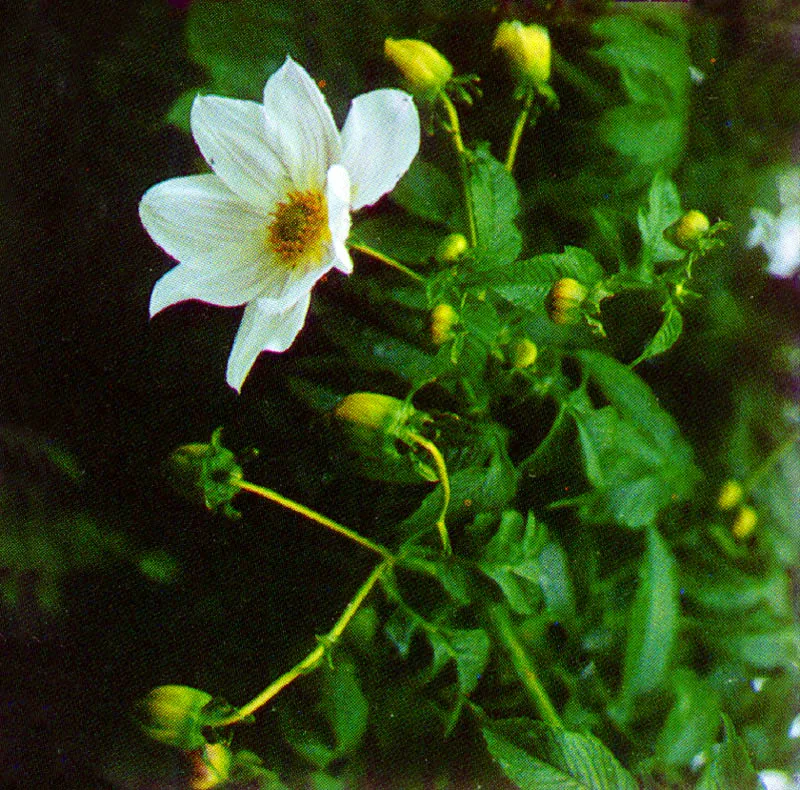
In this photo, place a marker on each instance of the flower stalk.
(519, 128)
(312, 515)
(313, 659)
(444, 480)
(379, 256)
(454, 129)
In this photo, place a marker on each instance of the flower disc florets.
(274, 215)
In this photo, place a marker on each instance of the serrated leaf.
(664, 208)
(653, 625)
(427, 192)
(730, 769)
(536, 756)
(666, 336)
(400, 629)
(527, 283)
(495, 203)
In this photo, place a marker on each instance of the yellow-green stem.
(523, 665)
(312, 515)
(766, 465)
(315, 656)
(379, 256)
(444, 481)
(454, 127)
(519, 128)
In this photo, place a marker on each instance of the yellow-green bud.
(564, 301)
(527, 49)
(522, 353)
(688, 230)
(174, 715)
(744, 523)
(371, 412)
(443, 318)
(730, 495)
(209, 767)
(425, 70)
(451, 248)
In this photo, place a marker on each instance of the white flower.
(780, 236)
(274, 216)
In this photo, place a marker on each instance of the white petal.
(200, 222)
(784, 253)
(338, 199)
(300, 125)
(231, 136)
(263, 329)
(380, 139)
(182, 283)
(762, 229)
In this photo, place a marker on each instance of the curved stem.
(519, 128)
(379, 256)
(315, 656)
(454, 127)
(444, 480)
(523, 666)
(312, 515)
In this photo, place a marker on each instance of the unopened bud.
(451, 248)
(210, 766)
(424, 69)
(443, 318)
(174, 715)
(522, 353)
(744, 523)
(564, 301)
(527, 49)
(730, 495)
(687, 231)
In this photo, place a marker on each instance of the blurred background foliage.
(112, 585)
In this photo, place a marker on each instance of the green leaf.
(650, 50)
(731, 768)
(469, 649)
(527, 283)
(633, 452)
(664, 208)
(508, 561)
(653, 625)
(428, 193)
(692, 722)
(536, 756)
(666, 336)
(495, 203)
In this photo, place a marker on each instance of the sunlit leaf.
(730, 769)
(666, 336)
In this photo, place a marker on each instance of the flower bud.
(207, 474)
(373, 431)
(209, 766)
(443, 318)
(174, 715)
(687, 231)
(425, 70)
(744, 523)
(730, 495)
(564, 301)
(522, 353)
(451, 248)
(527, 49)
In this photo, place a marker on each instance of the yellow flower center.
(298, 226)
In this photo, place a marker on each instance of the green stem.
(379, 256)
(312, 515)
(519, 128)
(444, 480)
(454, 127)
(523, 666)
(315, 656)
